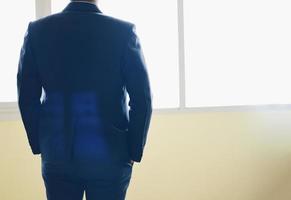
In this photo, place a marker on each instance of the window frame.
(10, 111)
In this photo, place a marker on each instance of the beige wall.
(189, 156)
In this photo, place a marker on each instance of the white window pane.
(59, 5)
(14, 23)
(157, 27)
(237, 52)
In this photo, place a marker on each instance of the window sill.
(10, 112)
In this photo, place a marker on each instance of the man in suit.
(84, 62)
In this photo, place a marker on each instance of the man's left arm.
(29, 92)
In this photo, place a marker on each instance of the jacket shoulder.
(45, 19)
(117, 22)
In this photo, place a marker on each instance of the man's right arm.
(138, 87)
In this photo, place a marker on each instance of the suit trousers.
(98, 182)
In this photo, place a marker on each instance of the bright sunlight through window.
(237, 52)
(14, 24)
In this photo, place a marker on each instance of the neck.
(84, 1)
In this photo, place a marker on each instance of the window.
(237, 52)
(158, 35)
(12, 35)
(59, 5)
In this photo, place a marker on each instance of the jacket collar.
(82, 7)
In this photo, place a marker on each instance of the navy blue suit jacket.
(84, 62)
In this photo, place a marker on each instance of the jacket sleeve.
(29, 92)
(140, 96)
